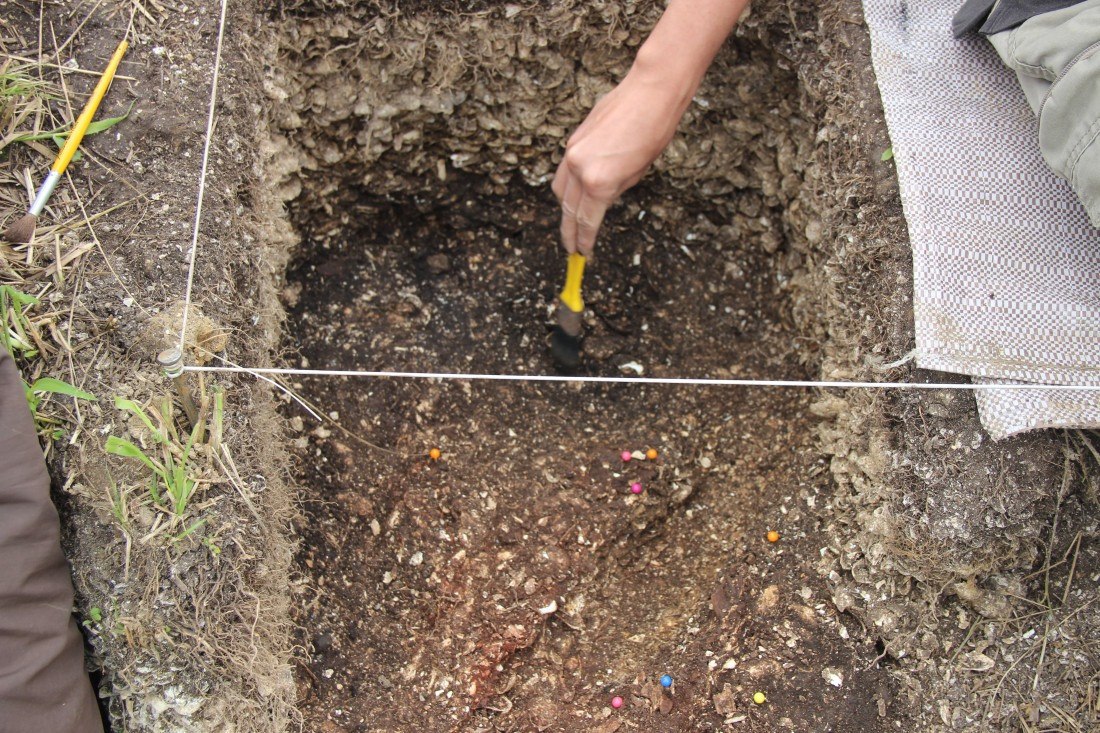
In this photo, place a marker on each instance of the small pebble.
(651, 454)
(635, 488)
(616, 702)
(759, 698)
(773, 536)
(322, 643)
(439, 263)
(435, 454)
(666, 680)
(625, 455)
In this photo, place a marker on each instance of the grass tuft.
(23, 101)
(19, 335)
(179, 462)
(168, 458)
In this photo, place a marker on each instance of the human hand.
(626, 130)
(612, 149)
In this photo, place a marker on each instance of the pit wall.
(377, 104)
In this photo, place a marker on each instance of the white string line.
(202, 178)
(996, 386)
(274, 383)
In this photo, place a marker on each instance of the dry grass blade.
(23, 100)
(64, 69)
(73, 34)
(147, 10)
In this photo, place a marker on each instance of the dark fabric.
(975, 15)
(43, 685)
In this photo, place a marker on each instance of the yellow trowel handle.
(90, 108)
(574, 273)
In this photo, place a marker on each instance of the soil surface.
(516, 583)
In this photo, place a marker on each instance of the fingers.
(582, 213)
(560, 176)
(589, 217)
(570, 201)
(582, 208)
(563, 182)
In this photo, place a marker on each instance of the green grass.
(22, 102)
(171, 485)
(17, 335)
(15, 324)
(171, 455)
(36, 393)
(120, 505)
(15, 84)
(62, 133)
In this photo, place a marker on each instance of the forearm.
(630, 126)
(683, 44)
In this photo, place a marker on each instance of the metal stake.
(171, 361)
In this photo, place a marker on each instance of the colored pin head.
(625, 455)
(435, 454)
(759, 698)
(616, 702)
(666, 680)
(635, 488)
(651, 454)
(773, 536)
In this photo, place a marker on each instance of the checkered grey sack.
(1006, 266)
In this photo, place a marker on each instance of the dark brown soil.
(427, 578)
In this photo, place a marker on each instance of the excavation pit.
(517, 581)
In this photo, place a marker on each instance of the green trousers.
(1056, 56)
(43, 685)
